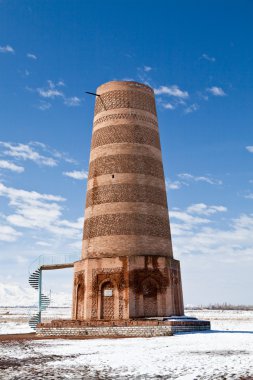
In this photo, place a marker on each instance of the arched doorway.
(80, 301)
(149, 291)
(107, 300)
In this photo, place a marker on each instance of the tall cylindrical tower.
(127, 268)
(126, 209)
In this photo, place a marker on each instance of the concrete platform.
(125, 328)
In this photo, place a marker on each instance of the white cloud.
(49, 93)
(208, 58)
(250, 148)
(203, 209)
(38, 211)
(168, 106)
(147, 68)
(185, 179)
(249, 196)
(216, 91)
(192, 178)
(15, 194)
(43, 244)
(173, 185)
(32, 56)
(55, 153)
(196, 235)
(173, 90)
(11, 166)
(7, 49)
(188, 219)
(26, 152)
(53, 90)
(35, 151)
(43, 105)
(72, 101)
(76, 174)
(192, 108)
(8, 233)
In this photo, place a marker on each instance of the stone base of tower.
(112, 329)
(124, 288)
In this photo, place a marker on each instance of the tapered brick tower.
(127, 268)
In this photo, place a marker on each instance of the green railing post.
(40, 294)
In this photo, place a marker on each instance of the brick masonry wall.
(125, 169)
(126, 224)
(116, 149)
(125, 134)
(126, 242)
(120, 116)
(118, 99)
(126, 193)
(126, 163)
(137, 331)
(141, 328)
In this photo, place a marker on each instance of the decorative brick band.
(126, 193)
(133, 117)
(122, 85)
(126, 224)
(119, 178)
(125, 133)
(125, 208)
(126, 245)
(126, 148)
(125, 99)
(126, 163)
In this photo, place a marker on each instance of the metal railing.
(35, 279)
(55, 259)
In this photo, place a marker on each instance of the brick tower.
(127, 268)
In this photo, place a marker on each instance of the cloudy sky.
(197, 56)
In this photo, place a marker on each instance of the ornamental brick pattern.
(126, 224)
(127, 268)
(125, 99)
(126, 163)
(132, 117)
(124, 133)
(126, 193)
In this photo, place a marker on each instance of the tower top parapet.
(113, 85)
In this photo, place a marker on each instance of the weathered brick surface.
(140, 328)
(129, 117)
(125, 133)
(127, 178)
(126, 245)
(126, 163)
(124, 149)
(118, 99)
(128, 268)
(126, 224)
(126, 207)
(107, 331)
(126, 193)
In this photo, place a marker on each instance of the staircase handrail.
(58, 258)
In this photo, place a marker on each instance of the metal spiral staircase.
(46, 262)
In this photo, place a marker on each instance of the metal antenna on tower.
(99, 96)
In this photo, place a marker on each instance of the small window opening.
(112, 175)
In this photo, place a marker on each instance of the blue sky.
(197, 55)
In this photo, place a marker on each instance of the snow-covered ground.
(224, 353)
(14, 320)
